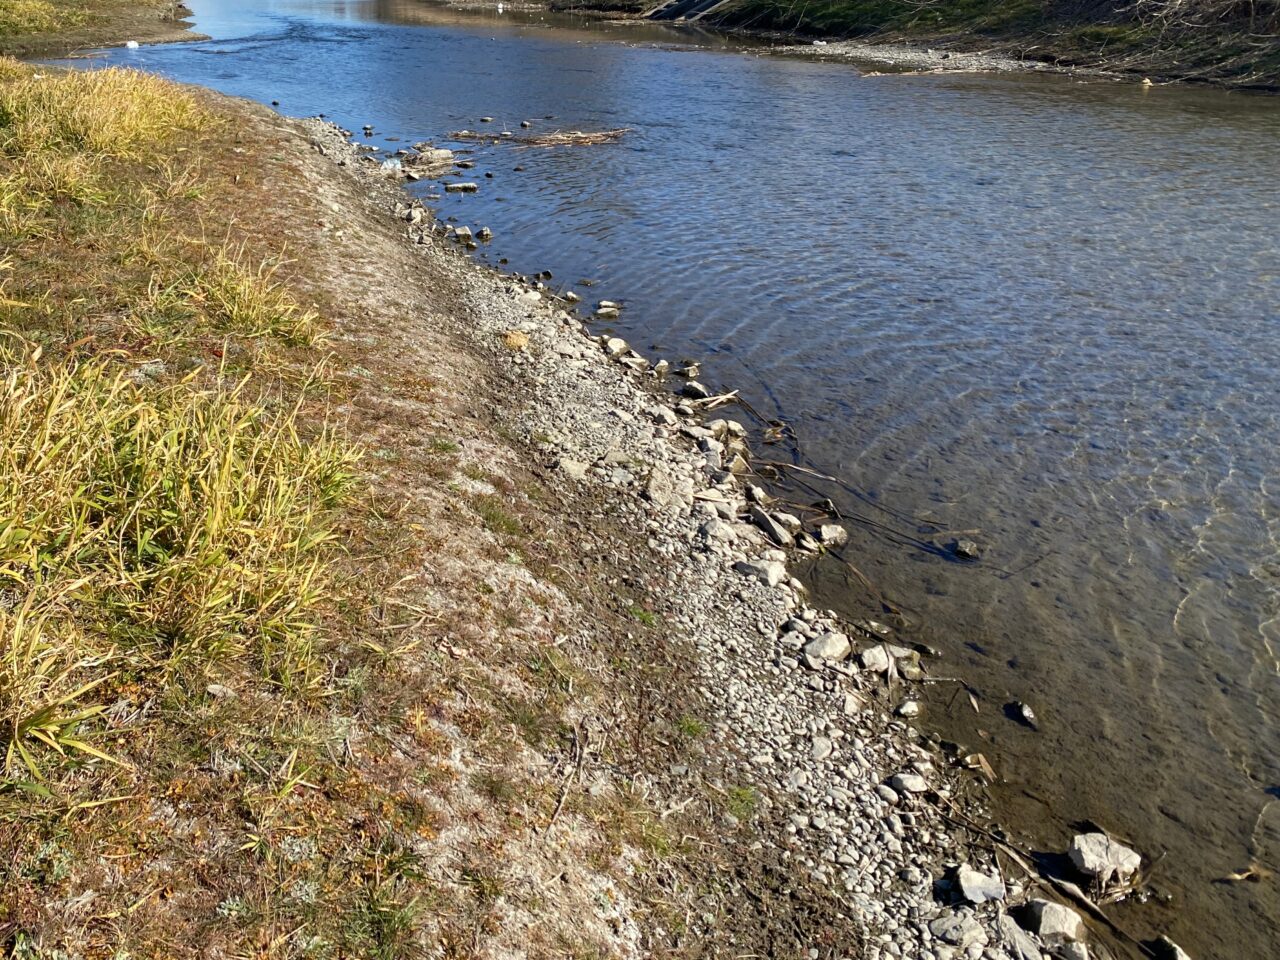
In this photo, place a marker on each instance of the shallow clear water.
(1041, 310)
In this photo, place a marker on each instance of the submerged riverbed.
(1030, 311)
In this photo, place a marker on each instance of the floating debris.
(1250, 874)
(557, 138)
(976, 761)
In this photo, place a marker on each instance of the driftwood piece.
(556, 138)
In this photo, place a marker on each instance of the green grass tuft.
(495, 517)
(647, 617)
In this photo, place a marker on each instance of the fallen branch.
(1068, 891)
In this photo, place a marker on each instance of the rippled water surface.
(1040, 313)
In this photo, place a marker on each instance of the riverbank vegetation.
(1220, 40)
(19, 18)
(32, 27)
(169, 483)
(1223, 41)
(264, 689)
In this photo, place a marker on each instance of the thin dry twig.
(579, 753)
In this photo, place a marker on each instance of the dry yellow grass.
(223, 291)
(11, 68)
(112, 112)
(19, 18)
(152, 524)
(148, 528)
(33, 16)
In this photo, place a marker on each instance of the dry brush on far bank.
(1225, 41)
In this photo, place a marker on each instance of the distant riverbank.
(1204, 41)
(39, 28)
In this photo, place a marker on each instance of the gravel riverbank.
(814, 714)
(906, 57)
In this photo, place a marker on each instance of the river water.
(1040, 313)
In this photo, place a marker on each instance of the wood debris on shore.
(556, 138)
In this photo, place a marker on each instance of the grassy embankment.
(234, 715)
(166, 506)
(1220, 40)
(179, 630)
(33, 27)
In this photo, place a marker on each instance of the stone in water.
(1097, 855)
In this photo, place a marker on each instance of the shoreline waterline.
(1042, 708)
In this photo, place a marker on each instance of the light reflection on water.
(1040, 310)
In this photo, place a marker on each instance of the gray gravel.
(848, 791)
(900, 57)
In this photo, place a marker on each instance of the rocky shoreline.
(815, 712)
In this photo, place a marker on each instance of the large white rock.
(876, 659)
(1098, 856)
(574, 469)
(833, 534)
(659, 488)
(1053, 923)
(1020, 944)
(909, 783)
(790, 521)
(774, 530)
(770, 572)
(717, 529)
(829, 646)
(978, 887)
